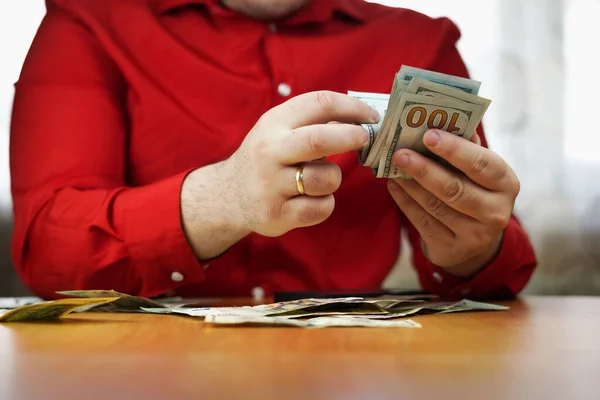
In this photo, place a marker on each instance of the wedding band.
(299, 181)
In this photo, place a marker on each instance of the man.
(187, 146)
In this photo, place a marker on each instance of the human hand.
(460, 216)
(263, 171)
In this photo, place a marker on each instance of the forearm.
(210, 211)
(126, 239)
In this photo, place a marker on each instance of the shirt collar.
(314, 11)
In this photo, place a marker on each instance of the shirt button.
(437, 276)
(272, 28)
(284, 89)
(258, 293)
(177, 276)
(205, 266)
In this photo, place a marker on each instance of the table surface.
(542, 348)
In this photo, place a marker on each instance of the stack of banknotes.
(310, 313)
(420, 100)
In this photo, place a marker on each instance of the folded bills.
(420, 100)
(50, 310)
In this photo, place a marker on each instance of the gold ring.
(299, 181)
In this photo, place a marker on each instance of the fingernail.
(375, 116)
(432, 138)
(403, 161)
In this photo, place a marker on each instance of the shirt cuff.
(503, 278)
(159, 250)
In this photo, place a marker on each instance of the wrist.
(476, 264)
(209, 214)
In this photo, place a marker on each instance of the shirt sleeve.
(513, 266)
(78, 225)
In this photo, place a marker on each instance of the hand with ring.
(279, 173)
(300, 179)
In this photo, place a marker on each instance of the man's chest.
(194, 95)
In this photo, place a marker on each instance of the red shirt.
(119, 99)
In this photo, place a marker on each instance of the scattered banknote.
(420, 100)
(330, 312)
(294, 308)
(50, 310)
(8, 303)
(399, 311)
(259, 310)
(122, 303)
(345, 311)
(318, 322)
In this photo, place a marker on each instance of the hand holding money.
(278, 179)
(460, 212)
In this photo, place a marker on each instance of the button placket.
(284, 89)
(281, 69)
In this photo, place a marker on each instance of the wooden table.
(543, 348)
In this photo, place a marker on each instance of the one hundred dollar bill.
(470, 86)
(420, 100)
(418, 114)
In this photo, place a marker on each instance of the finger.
(319, 179)
(481, 165)
(424, 222)
(303, 211)
(322, 107)
(316, 141)
(455, 221)
(452, 188)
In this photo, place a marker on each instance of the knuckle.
(514, 185)
(422, 171)
(274, 212)
(498, 220)
(313, 213)
(332, 178)
(451, 148)
(480, 164)
(315, 181)
(316, 141)
(436, 206)
(457, 250)
(426, 222)
(326, 101)
(453, 191)
(358, 135)
(262, 150)
(308, 215)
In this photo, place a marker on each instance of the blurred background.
(537, 60)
